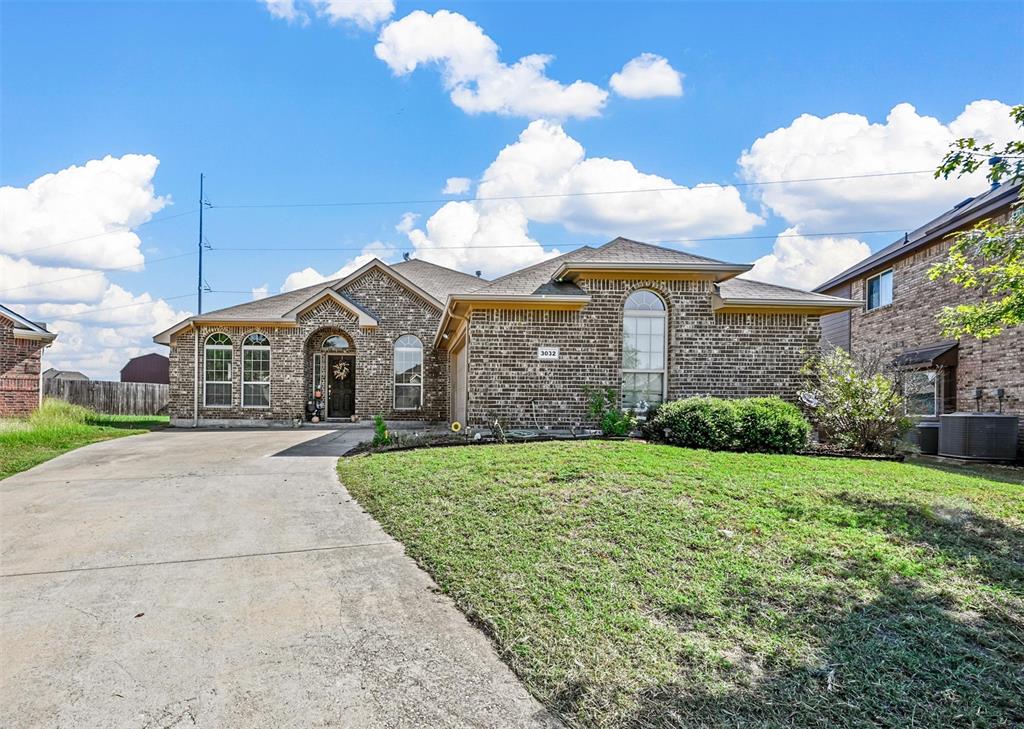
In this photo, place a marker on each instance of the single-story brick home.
(418, 341)
(22, 342)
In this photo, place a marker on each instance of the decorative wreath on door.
(341, 370)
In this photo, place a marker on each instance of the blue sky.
(304, 111)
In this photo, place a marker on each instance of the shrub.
(381, 436)
(696, 422)
(612, 419)
(770, 425)
(853, 406)
(760, 424)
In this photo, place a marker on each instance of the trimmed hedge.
(756, 424)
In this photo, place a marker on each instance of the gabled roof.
(536, 279)
(625, 256)
(743, 293)
(971, 210)
(430, 282)
(436, 280)
(25, 328)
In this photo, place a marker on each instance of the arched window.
(217, 371)
(336, 341)
(643, 350)
(408, 373)
(256, 371)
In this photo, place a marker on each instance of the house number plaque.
(547, 352)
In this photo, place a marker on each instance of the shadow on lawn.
(913, 656)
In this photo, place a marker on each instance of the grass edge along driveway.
(57, 427)
(648, 586)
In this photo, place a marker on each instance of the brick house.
(898, 320)
(21, 352)
(418, 341)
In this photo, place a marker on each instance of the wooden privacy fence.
(111, 398)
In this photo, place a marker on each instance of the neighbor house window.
(919, 392)
(256, 371)
(408, 373)
(217, 371)
(880, 290)
(643, 350)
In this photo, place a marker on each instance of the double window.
(879, 290)
(643, 350)
(408, 373)
(256, 371)
(217, 371)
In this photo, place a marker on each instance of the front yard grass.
(57, 427)
(649, 586)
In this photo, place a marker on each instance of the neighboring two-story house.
(899, 319)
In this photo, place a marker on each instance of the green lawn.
(648, 586)
(57, 427)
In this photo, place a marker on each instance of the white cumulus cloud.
(803, 262)
(493, 235)
(456, 185)
(849, 144)
(364, 14)
(98, 202)
(478, 81)
(646, 77)
(260, 292)
(24, 281)
(309, 276)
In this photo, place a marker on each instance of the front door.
(341, 386)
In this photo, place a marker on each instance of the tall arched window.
(408, 373)
(643, 350)
(217, 371)
(256, 371)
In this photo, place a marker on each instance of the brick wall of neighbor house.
(910, 321)
(731, 355)
(398, 311)
(20, 363)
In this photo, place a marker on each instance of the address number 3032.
(547, 353)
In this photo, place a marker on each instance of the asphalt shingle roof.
(531, 279)
(624, 250)
(438, 281)
(745, 288)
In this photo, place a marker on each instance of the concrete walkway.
(225, 579)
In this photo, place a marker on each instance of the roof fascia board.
(569, 270)
(41, 336)
(736, 305)
(973, 216)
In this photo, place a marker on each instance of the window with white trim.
(217, 371)
(643, 350)
(408, 373)
(256, 371)
(879, 290)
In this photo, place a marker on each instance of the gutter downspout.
(195, 376)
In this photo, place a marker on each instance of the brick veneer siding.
(20, 364)
(910, 321)
(291, 377)
(730, 355)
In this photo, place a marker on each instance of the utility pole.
(199, 283)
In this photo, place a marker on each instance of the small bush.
(696, 422)
(381, 436)
(761, 425)
(854, 405)
(613, 420)
(770, 425)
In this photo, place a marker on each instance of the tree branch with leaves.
(989, 258)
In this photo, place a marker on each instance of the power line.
(230, 249)
(107, 232)
(433, 201)
(97, 272)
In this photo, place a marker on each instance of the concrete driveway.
(225, 579)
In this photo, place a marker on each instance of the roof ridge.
(660, 248)
(535, 265)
